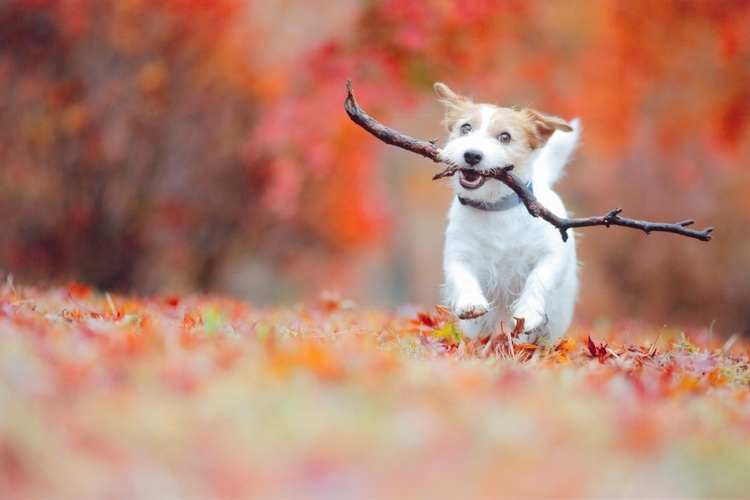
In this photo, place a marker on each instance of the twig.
(386, 134)
(504, 175)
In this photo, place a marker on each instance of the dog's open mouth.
(471, 179)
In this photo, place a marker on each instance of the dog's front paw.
(472, 309)
(471, 312)
(532, 331)
(532, 320)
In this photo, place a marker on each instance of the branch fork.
(504, 174)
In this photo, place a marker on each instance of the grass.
(191, 396)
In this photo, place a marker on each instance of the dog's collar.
(510, 201)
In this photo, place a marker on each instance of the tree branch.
(386, 134)
(504, 175)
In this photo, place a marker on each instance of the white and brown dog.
(500, 263)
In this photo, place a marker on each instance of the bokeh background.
(201, 145)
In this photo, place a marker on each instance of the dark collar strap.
(510, 201)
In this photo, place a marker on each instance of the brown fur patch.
(545, 125)
(458, 115)
(458, 107)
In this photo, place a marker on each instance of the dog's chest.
(500, 247)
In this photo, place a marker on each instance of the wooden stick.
(429, 150)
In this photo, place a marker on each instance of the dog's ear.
(545, 126)
(448, 97)
(456, 104)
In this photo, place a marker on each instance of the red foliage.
(600, 352)
(203, 396)
(101, 138)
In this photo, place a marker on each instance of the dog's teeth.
(471, 180)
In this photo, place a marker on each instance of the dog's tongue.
(470, 179)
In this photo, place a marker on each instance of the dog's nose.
(472, 156)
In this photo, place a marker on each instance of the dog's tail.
(550, 164)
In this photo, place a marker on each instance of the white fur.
(507, 264)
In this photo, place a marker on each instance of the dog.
(502, 266)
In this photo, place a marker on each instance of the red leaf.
(592, 347)
(601, 351)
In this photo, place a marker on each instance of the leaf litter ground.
(112, 396)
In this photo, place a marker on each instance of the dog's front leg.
(464, 295)
(463, 292)
(531, 305)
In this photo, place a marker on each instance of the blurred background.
(201, 145)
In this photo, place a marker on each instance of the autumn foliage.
(180, 396)
(156, 146)
(157, 151)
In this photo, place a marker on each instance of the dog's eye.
(465, 128)
(504, 137)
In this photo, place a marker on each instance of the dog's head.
(483, 137)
